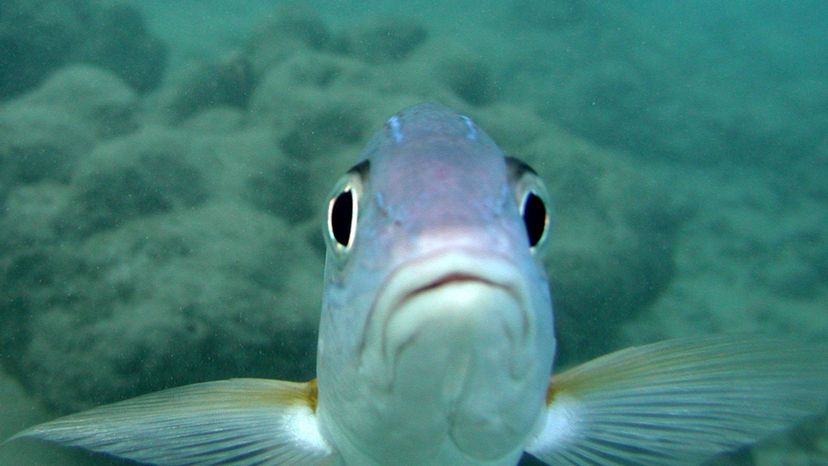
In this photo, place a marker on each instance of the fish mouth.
(461, 289)
(449, 279)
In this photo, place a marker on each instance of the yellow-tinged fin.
(681, 401)
(229, 422)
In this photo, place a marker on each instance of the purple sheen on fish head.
(434, 170)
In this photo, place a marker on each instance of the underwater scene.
(165, 170)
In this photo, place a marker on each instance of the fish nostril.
(393, 126)
(471, 135)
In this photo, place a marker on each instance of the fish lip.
(453, 265)
(446, 279)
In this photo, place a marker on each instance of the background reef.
(163, 170)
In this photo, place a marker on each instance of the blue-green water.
(163, 169)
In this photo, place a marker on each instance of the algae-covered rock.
(158, 258)
(382, 40)
(291, 29)
(228, 82)
(36, 36)
(29, 216)
(117, 39)
(45, 132)
(468, 77)
(216, 120)
(320, 109)
(94, 95)
(321, 129)
(263, 177)
(38, 143)
(39, 36)
(306, 83)
(147, 173)
(172, 299)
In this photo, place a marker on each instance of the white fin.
(680, 401)
(230, 422)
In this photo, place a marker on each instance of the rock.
(216, 120)
(38, 143)
(292, 28)
(176, 298)
(468, 77)
(40, 36)
(118, 40)
(229, 82)
(29, 216)
(514, 128)
(255, 172)
(382, 40)
(126, 262)
(307, 79)
(36, 37)
(93, 94)
(321, 128)
(319, 124)
(147, 173)
(271, 181)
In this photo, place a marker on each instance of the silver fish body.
(436, 338)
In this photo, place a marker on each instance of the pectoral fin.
(237, 421)
(681, 401)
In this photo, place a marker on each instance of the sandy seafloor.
(713, 117)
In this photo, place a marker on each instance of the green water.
(164, 165)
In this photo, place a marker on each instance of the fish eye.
(343, 210)
(341, 216)
(531, 197)
(535, 218)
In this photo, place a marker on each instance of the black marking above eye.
(341, 217)
(533, 211)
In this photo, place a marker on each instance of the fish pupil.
(341, 217)
(534, 217)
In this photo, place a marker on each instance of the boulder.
(93, 94)
(40, 36)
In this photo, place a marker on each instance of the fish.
(436, 344)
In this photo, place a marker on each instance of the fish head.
(437, 316)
